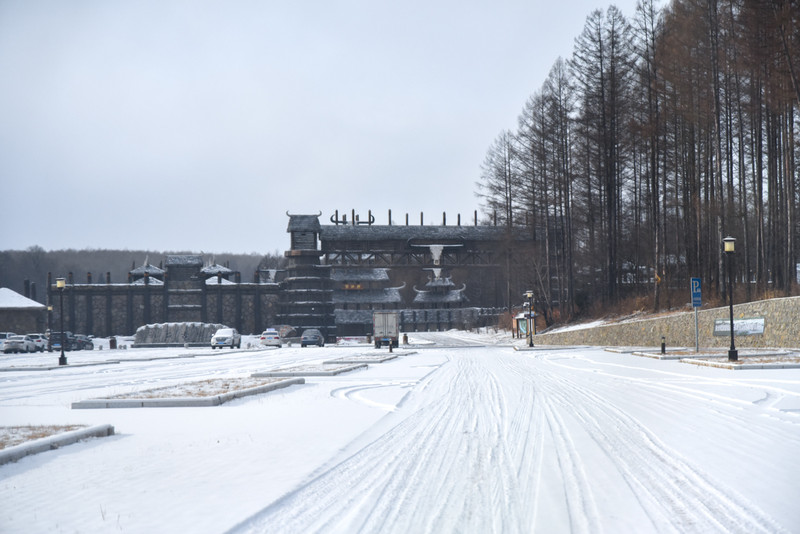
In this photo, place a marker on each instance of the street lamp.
(60, 284)
(49, 326)
(729, 244)
(529, 296)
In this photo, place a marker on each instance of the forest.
(659, 137)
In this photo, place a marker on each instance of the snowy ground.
(464, 435)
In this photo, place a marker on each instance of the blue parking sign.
(697, 300)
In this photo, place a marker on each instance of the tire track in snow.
(504, 445)
(430, 472)
(677, 496)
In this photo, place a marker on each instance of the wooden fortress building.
(437, 276)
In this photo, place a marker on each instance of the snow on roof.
(216, 269)
(303, 223)
(150, 269)
(450, 297)
(355, 274)
(347, 232)
(184, 260)
(151, 282)
(222, 281)
(445, 281)
(370, 296)
(11, 300)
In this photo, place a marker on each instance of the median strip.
(194, 394)
(56, 441)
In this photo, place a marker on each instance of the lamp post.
(49, 326)
(60, 284)
(529, 296)
(729, 244)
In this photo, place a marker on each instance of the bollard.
(663, 345)
(390, 345)
(405, 339)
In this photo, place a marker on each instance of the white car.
(39, 341)
(271, 338)
(226, 337)
(19, 344)
(3, 337)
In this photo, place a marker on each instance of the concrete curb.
(12, 454)
(548, 347)
(741, 366)
(311, 371)
(368, 358)
(648, 350)
(659, 356)
(53, 367)
(719, 356)
(183, 402)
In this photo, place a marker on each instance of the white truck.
(386, 328)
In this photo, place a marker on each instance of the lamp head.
(60, 283)
(729, 244)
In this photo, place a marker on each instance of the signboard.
(522, 326)
(697, 300)
(748, 326)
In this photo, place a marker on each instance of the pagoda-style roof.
(152, 270)
(350, 274)
(213, 281)
(216, 269)
(303, 223)
(390, 295)
(452, 296)
(184, 260)
(440, 282)
(152, 281)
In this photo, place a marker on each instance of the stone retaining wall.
(781, 328)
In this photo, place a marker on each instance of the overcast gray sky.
(195, 125)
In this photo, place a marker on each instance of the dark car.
(83, 342)
(56, 339)
(312, 336)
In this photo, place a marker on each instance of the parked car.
(56, 338)
(3, 337)
(226, 337)
(39, 341)
(19, 344)
(288, 334)
(83, 342)
(271, 338)
(312, 336)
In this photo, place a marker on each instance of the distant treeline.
(34, 263)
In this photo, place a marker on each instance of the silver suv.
(226, 337)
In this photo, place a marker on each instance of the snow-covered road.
(456, 439)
